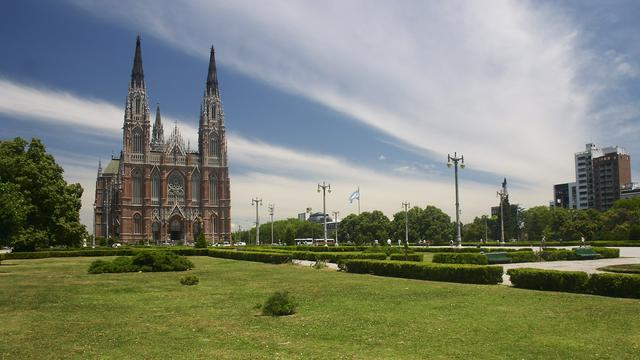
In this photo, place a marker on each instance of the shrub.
(452, 258)
(201, 242)
(522, 256)
(558, 254)
(607, 253)
(550, 280)
(446, 250)
(408, 257)
(617, 285)
(472, 274)
(279, 304)
(147, 261)
(189, 280)
(118, 265)
(335, 257)
(271, 258)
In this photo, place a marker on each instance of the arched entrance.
(176, 230)
(197, 227)
(155, 228)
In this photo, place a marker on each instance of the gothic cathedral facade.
(158, 190)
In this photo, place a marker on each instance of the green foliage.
(616, 285)
(37, 207)
(146, 261)
(279, 304)
(523, 256)
(335, 257)
(365, 228)
(607, 253)
(189, 280)
(453, 258)
(201, 242)
(634, 232)
(461, 273)
(271, 258)
(623, 268)
(319, 264)
(550, 280)
(407, 257)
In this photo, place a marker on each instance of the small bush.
(618, 285)
(461, 273)
(452, 258)
(550, 280)
(189, 280)
(147, 261)
(408, 257)
(201, 242)
(279, 304)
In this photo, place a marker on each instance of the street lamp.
(453, 160)
(256, 202)
(324, 188)
(335, 218)
(271, 207)
(502, 194)
(406, 205)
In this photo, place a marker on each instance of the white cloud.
(382, 157)
(280, 175)
(493, 81)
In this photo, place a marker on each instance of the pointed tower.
(157, 139)
(136, 129)
(212, 148)
(99, 168)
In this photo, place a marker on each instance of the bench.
(497, 258)
(586, 253)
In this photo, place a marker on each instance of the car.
(116, 245)
(226, 243)
(241, 243)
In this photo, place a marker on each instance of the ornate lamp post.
(324, 188)
(256, 202)
(406, 205)
(453, 161)
(271, 208)
(335, 218)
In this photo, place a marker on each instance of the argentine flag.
(354, 195)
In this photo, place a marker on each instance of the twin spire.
(137, 74)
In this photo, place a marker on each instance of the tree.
(201, 242)
(435, 225)
(476, 230)
(365, 228)
(52, 206)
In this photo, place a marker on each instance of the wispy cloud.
(281, 175)
(494, 81)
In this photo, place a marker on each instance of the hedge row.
(146, 261)
(607, 253)
(72, 253)
(453, 258)
(617, 285)
(271, 258)
(471, 274)
(321, 248)
(465, 249)
(522, 256)
(335, 257)
(409, 257)
(563, 254)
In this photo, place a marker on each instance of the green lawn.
(53, 309)
(625, 268)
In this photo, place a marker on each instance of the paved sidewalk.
(331, 266)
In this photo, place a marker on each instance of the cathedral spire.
(99, 167)
(212, 75)
(137, 74)
(157, 140)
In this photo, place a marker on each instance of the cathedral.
(159, 191)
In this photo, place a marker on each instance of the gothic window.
(195, 186)
(214, 227)
(213, 190)
(175, 189)
(137, 105)
(214, 146)
(155, 188)
(137, 224)
(137, 187)
(137, 141)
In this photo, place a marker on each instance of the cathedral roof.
(112, 168)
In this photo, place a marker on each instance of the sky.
(369, 94)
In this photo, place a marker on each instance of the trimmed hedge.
(335, 257)
(452, 258)
(147, 261)
(553, 280)
(607, 253)
(320, 248)
(446, 250)
(522, 256)
(409, 257)
(72, 253)
(471, 274)
(616, 285)
(271, 258)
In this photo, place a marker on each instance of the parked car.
(241, 243)
(116, 245)
(226, 243)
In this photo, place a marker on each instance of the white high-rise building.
(584, 176)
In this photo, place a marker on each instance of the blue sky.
(356, 93)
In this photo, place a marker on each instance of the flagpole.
(358, 200)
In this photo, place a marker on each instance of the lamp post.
(271, 208)
(406, 205)
(93, 243)
(453, 160)
(335, 218)
(256, 202)
(324, 188)
(502, 195)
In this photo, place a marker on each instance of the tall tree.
(53, 217)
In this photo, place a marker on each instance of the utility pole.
(501, 194)
(271, 208)
(335, 218)
(324, 188)
(256, 202)
(453, 160)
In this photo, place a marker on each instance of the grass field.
(53, 309)
(624, 268)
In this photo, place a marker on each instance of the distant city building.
(611, 172)
(601, 174)
(159, 190)
(319, 218)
